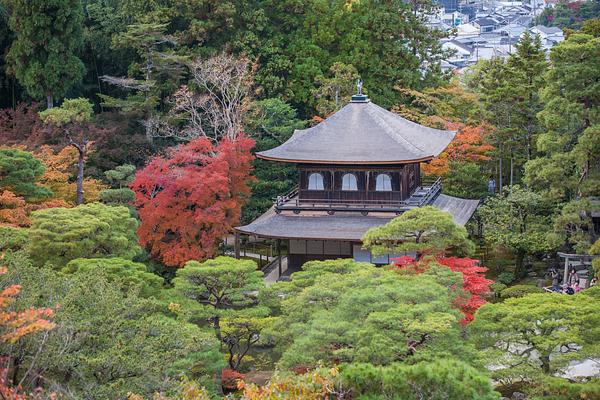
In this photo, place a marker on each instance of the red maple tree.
(475, 284)
(188, 200)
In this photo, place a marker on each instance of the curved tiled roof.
(343, 226)
(362, 133)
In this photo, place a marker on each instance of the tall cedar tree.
(190, 199)
(43, 56)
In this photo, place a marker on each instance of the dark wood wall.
(405, 178)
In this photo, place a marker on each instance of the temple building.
(357, 169)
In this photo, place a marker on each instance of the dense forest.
(128, 130)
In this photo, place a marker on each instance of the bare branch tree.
(215, 103)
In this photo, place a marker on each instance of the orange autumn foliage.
(313, 385)
(13, 326)
(13, 210)
(468, 145)
(60, 171)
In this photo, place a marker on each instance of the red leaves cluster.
(230, 379)
(475, 284)
(188, 200)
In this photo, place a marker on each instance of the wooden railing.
(339, 200)
(432, 191)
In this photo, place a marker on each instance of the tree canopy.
(535, 336)
(421, 230)
(344, 311)
(59, 235)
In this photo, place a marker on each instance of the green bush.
(497, 288)
(520, 291)
(506, 277)
(12, 238)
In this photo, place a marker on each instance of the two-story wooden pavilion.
(357, 169)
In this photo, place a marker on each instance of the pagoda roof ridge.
(362, 132)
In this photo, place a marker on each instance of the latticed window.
(349, 182)
(383, 183)
(315, 181)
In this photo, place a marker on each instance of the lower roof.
(347, 227)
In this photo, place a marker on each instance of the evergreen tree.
(509, 91)
(570, 146)
(527, 68)
(19, 172)
(43, 56)
(59, 235)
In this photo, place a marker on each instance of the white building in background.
(484, 29)
(549, 35)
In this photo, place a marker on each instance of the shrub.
(506, 277)
(519, 291)
(497, 288)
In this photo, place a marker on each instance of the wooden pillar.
(566, 273)
(279, 256)
(236, 245)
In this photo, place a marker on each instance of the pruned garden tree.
(120, 178)
(226, 291)
(129, 275)
(219, 285)
(107, 341)
(20, 173)
(240, 334)
(339, 311)
(532, 338)
(59, 235)
(73, 119)
(438, 380)
(43, 56)
(423, 230)
(518, 220)
(188, 200)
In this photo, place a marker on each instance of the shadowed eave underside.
(362, 133)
